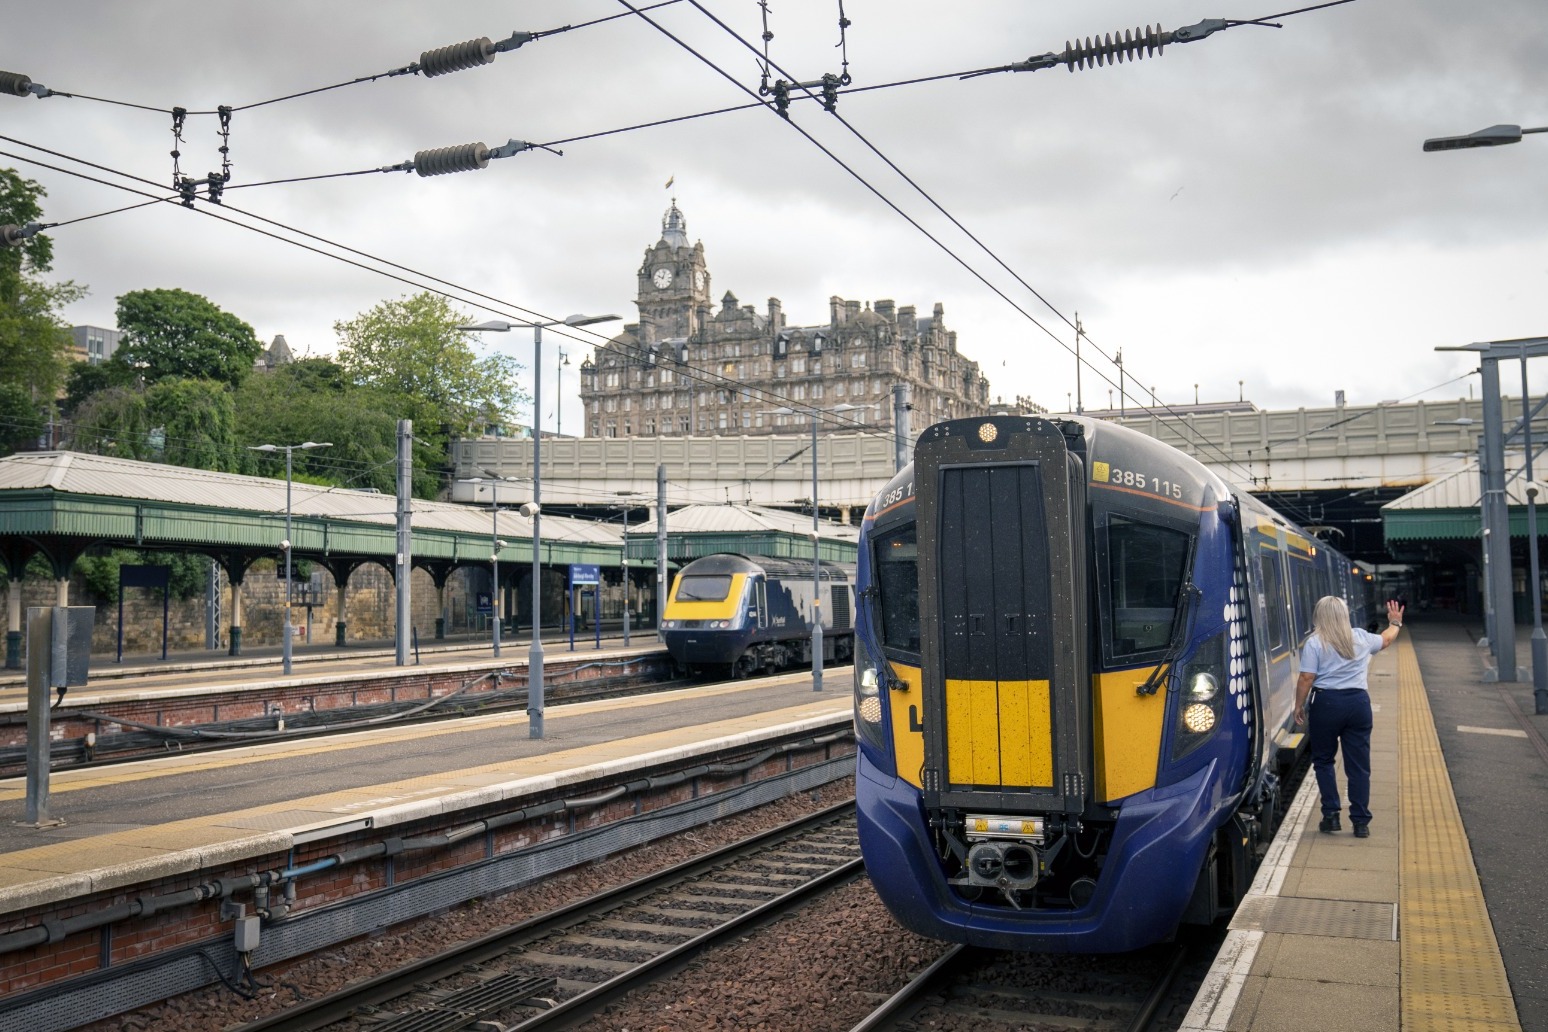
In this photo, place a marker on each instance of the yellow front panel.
(1128, 734)
(999, 733)
(907, 709)
(724, 609)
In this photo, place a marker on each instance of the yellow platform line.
(1450, 971)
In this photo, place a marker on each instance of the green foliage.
(172, 333)
(34, 341)
(21, 417)
(180, 422)
(311, 400)
(198, 422)
(185, 579)
(113, 422)
(411, 354)
(83, 380)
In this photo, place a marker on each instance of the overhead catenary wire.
(1072, 58)
(495, 305)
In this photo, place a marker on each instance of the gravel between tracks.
(841, 953)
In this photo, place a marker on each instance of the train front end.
(1052, 687)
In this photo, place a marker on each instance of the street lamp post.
(562, 361)
(285, 545)
(1493, 136)
(817, 545)
(535, 654)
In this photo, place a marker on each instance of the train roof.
(769, 566)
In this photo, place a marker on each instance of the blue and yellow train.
(738, 615)
(1074, 683)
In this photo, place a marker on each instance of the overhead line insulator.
(18, 85)
(457, 57)
(440, 161)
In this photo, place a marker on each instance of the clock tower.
(674, 285)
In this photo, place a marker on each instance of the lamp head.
(529, 509)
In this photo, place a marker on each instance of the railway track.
(558, 968)
(984, 990)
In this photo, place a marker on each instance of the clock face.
(663, 278)
(698, 279)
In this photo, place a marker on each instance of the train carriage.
(732, 614)
(1074, 683)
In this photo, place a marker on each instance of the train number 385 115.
(1136, 479)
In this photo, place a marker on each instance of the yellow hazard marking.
(1099, 471)
(999, 733)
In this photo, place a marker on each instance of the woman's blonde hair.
(1330, 621)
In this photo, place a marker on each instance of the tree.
(411, 349)
(34, 341)
(312, 400)
(172, 333)
(411, 358)
(177, 421)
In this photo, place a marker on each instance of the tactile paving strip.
(1295, 915)
(1451, 973)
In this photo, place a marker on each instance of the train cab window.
(1145, 567)
(704, 588)
(897, 581)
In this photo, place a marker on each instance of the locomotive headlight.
(667, 625)
(1200, 702)
(868, 705)
(1199, 717)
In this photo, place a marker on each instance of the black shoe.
(1362, 831)
(1330, 824)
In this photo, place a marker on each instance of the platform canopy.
(699, 530)
(62, 503)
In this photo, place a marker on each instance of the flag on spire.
(669, 182)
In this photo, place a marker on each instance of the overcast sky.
(1248, 212)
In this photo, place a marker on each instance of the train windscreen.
(704, 588)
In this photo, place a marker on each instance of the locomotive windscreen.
(997, 649)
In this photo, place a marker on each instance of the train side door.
(761, 601)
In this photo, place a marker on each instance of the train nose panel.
(999, 573)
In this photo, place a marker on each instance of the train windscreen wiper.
(1188, 596)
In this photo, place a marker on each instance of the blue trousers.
(1337, 719)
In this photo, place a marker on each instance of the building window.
(799, 392)
(612, 429)
(857, 359)
(838, 389)
(798, 364)
(650, 428)
(683, 420)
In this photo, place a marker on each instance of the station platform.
(1433, 922)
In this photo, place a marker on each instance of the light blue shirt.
(1333, 672)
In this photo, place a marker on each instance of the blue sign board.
(483, 602)
(585, 573)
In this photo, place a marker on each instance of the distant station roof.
(700, 530)
(1447, 508)
(65, 502)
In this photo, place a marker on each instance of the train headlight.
(1199, 718)
(667, 625)
(1202, 686)
(868, 707)
(1200, 702)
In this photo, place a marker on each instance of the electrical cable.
(984, 247)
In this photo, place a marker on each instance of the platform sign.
(483, 601)
(585, 573)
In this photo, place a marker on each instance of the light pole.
(494, 556)
(1493, 136)
(559, 365)
(285, 545)
(535, 654)
(817, 545)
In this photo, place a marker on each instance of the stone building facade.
(687, 369)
